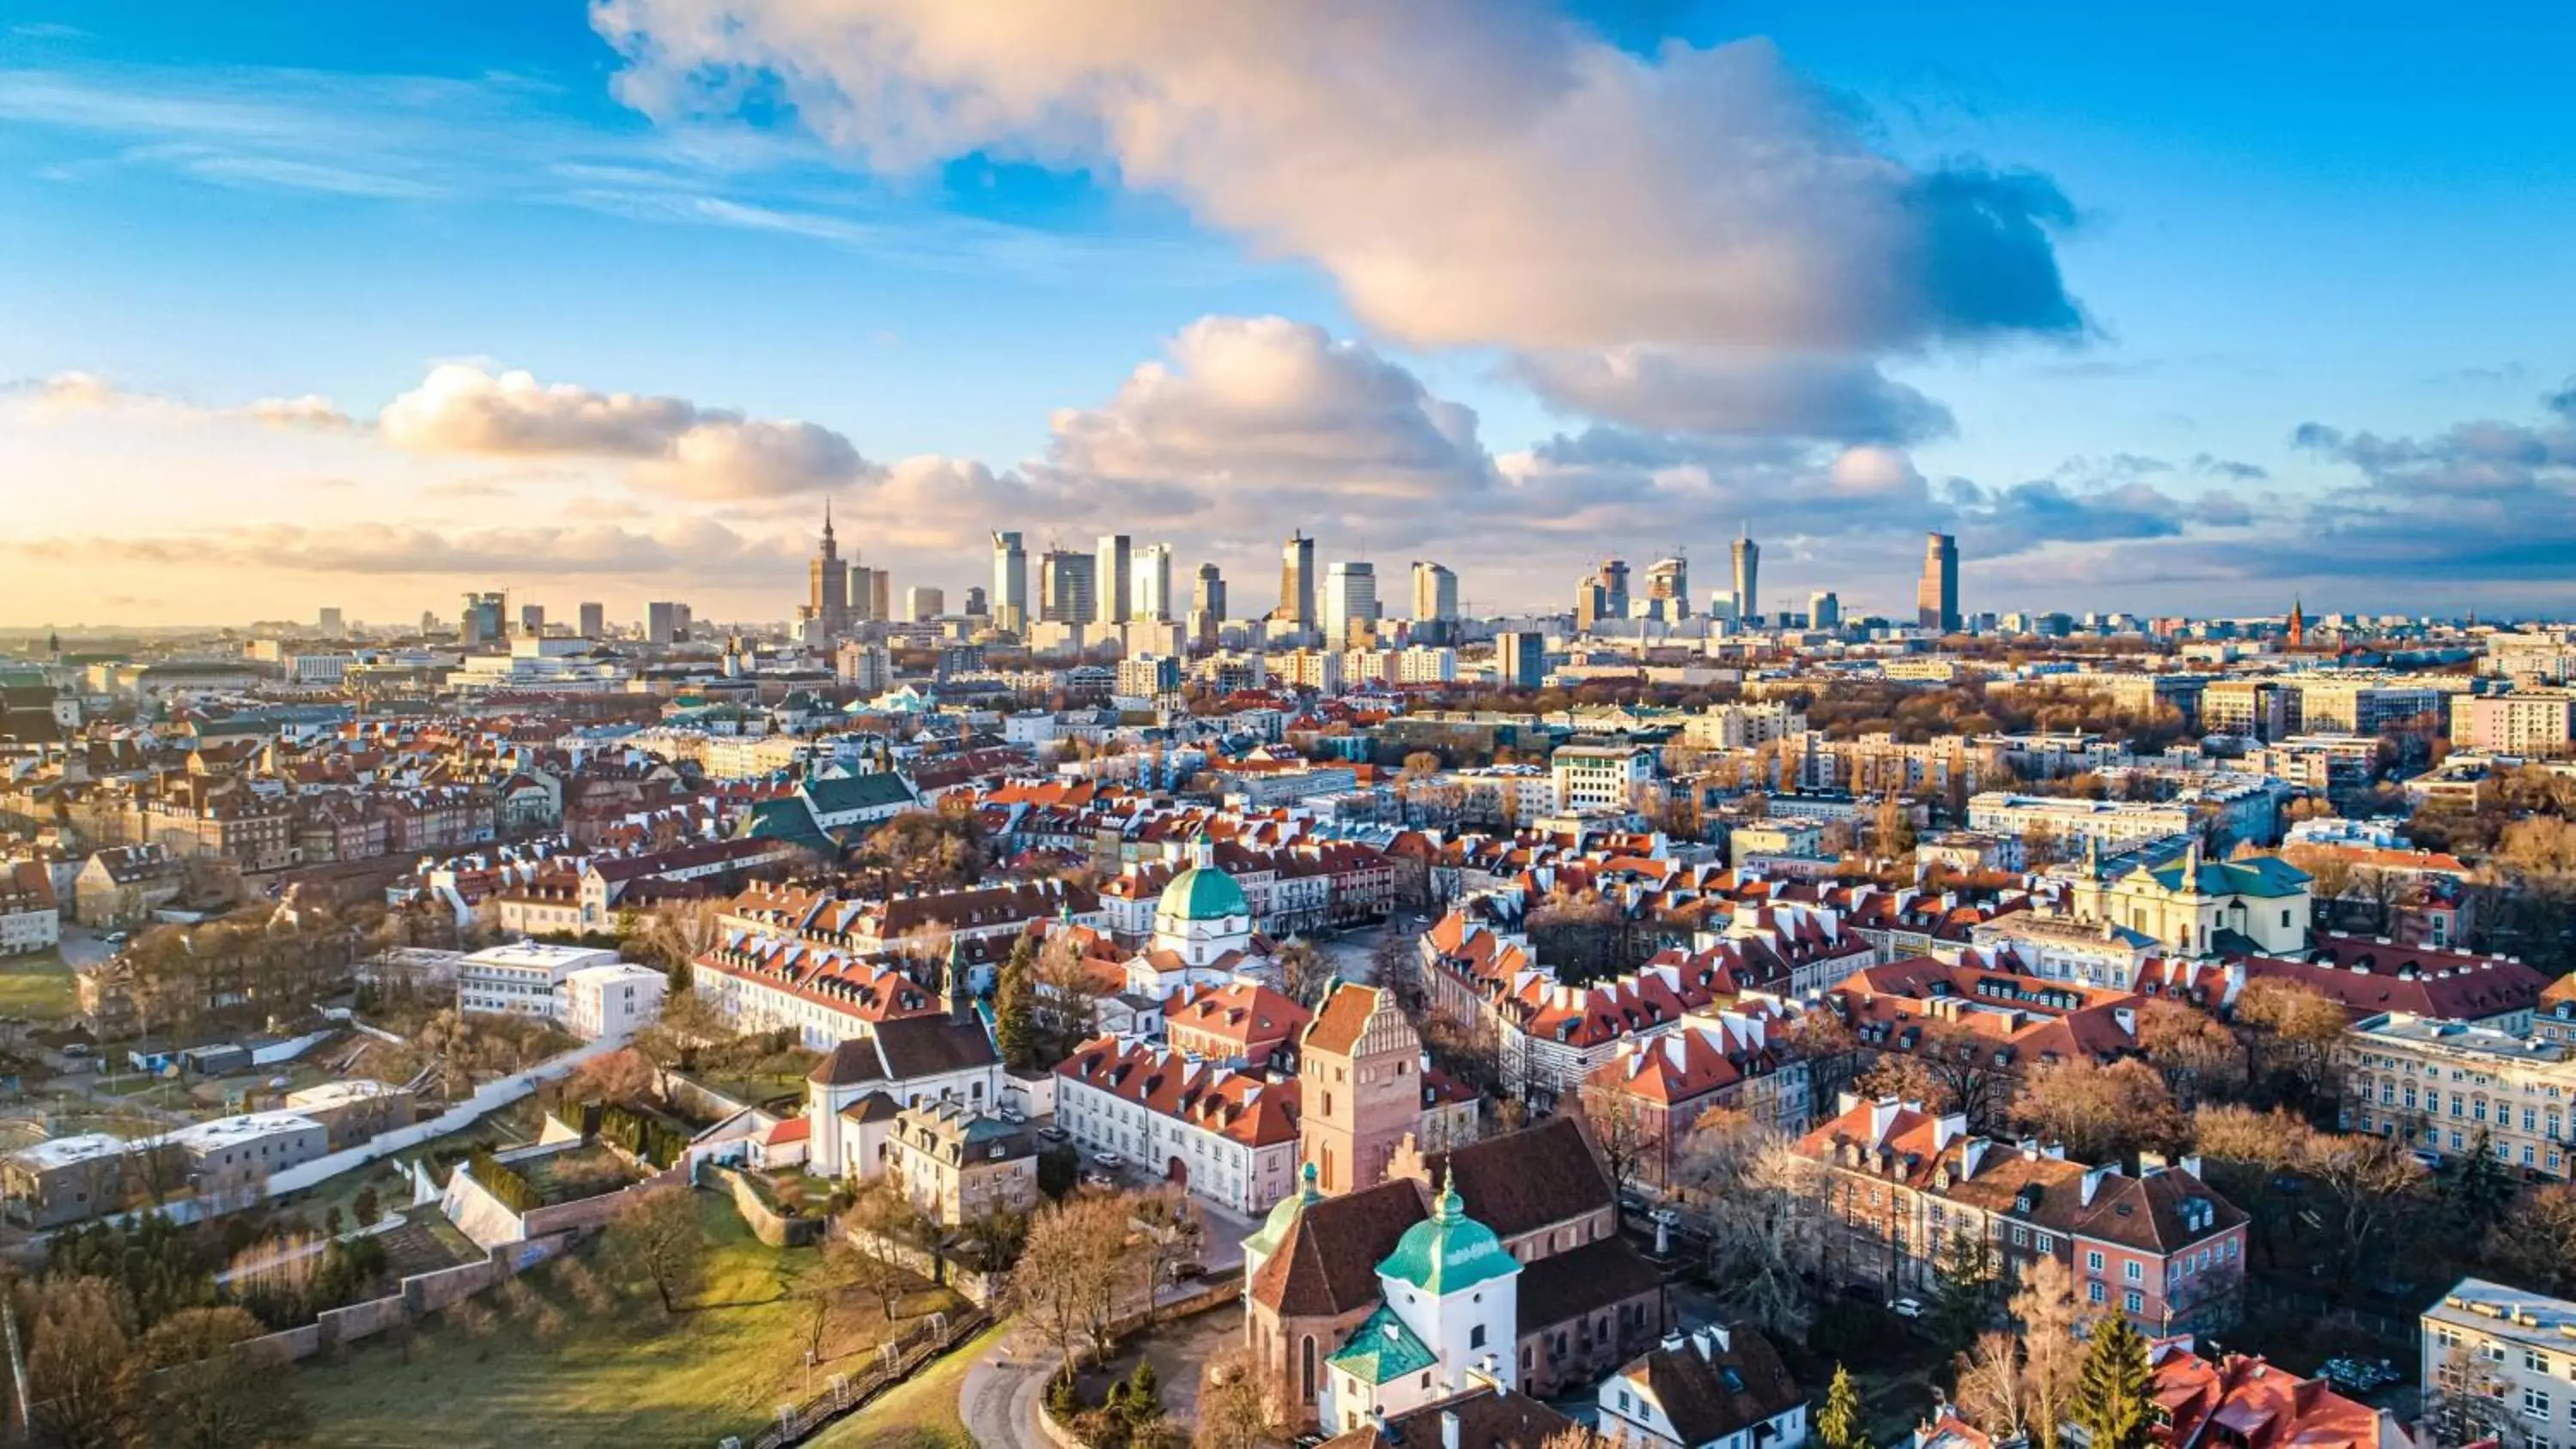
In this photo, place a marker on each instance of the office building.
(1936, 599)
(1435, 604)
(2497, 1358)
(1153, 586)
(1010, 602)
(1350, 604)
(1748, 579)
(1207, 606)
(1614, 588)
(1149, 676)
(922, 603)
(594, 621)
(1066, 586)
(1520, 660)
(331, 625)
(1591, 603)
(485, 619)
(827, 586)
(1824, 610)
(666, 623)
(979, 605)
(1112, 578)
(532, 621)
(1296, 584)
(1668, 588)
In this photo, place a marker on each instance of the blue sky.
(2274, 216)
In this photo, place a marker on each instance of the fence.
(849, 1392)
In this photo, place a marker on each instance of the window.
(2137, 1302)
(2093, 1291)
(1476, 1336)
(2047, 1242)
(2535, 1403)
(2132, 1271)
(2093, 1261)
(2536, 1361)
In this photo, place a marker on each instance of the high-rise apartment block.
(666, 623)
(1520, 660)
(922, 603)
(1936, 599)
(594, 621)
(1010, 602)
(1435, 604)
(331, 625)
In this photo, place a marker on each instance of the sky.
(2195, 309)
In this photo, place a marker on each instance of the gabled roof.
(1327, 1265)
(1710, 1388)
(1521, 1182)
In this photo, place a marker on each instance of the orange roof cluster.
(1237, 1105)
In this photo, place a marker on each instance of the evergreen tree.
(2481, 1192)
(2112, 1403)
(1015, 1010)
(1838, 1424)
(1966, 1285)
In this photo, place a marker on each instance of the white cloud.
(1469, 172)
(1735, 391)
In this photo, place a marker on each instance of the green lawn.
(921, 1412)
(626, 1378)
(37, 986)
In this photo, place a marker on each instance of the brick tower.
(1360, 1087)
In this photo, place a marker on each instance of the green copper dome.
(1283, 1214)
(1203, 893)
(1449, 1251)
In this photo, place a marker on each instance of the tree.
(78, 1397)
(2479, 1194)
(2113, 1400)
(1991, 1392)
(1069, 1278)
(1763, 1207)
(1838, 1423)
(660, 1236)
(2290, 1030)
(1966, 1284)
(1619, 1131)
(1070, 1001)
(837, 1272)
(1304, 972)
(1015, 1007)
(2196, 1056)
(1395, 965)
(1174, 1233)
(2375, 1182)
(207, 1391)
(2101, 1112)
(2536, 1242)
(1233, 1410)
(2051, 1321)
(367, 1207)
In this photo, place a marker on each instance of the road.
(82, 946)
(999, 1399)
(1349, 951)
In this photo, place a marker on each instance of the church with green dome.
(1451, 1308)
(1202, 916)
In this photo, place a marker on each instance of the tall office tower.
(1207, 606)
(1668, 588)
(1350, 603)
(1153, 584)
(1112, 578)
(1435, 604)
(1824, 610)
(979, 605)
(485, 619)
(1936, 599)
(827, 586)
(1748, 578)
(922, 603)
(863, 594)
(1065, 587)
(1591, 603)
(1520, 660)
(1296, 584)
(1614, 588)
(1010, 583)
(594, 621)
(532, 621)
(666, 623)
(331, 625)
(881, 595)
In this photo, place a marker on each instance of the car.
(1099, 1180)
(1053, 1133)
(1907, 1308)
(1014, 1114)
(1109, 1160)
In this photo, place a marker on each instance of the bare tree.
(659, 1235)
(2051, 1320)
(1234, 1411)
(1070, 1278)
(1992, 1391)
(2101, 1112)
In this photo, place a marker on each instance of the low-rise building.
(524, 979)
(354, 1110)
(1720, 1386)
(232, 1158)
(853, 1094)
(958, 1165)
(615, 1000)
(123, 885)
(2498, 1359)
(1228, 1135)
(2443, 1087)
(2242, 1402)
(31, 919)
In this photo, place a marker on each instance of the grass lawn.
(37, 986)
(624, 1378)
(921, 1412)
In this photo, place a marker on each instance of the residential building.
(613, 1000)
(1487, 1416)
(68, 1179)
(1601, 777)
(1656, 1088)
(2534, 723)
(2498, 1358)
(123, 884)
(1520, 660)
(1241, 1023)
(959, 1166)
(1228, 1135)
(1149, 676)
(2240, 1401)
(2444, 1087)
(1720, 1386)
(31, 919)
(2162, 1248)
(594, 621)
(666, 623)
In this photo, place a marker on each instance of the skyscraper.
(1824, 610)
(1207, 606)
(1936, 599)
(485, 619)
(1010, 583)
(532, 621)
(869, 588)
(1748, 577)
(331, 626)
(979, 605)
(1112, 578)
(1614, 588)
(1435, 604)
(1520, 660)
(1296, 584)
(1668, 588)
(827, 584)
(594, 621)
(1350, 604)
(1065, 587)
(1590, 603)
(1152, 599)
(922, 603)
(666, 623)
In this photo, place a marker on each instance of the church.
(1402, 1274)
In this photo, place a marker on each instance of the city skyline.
(336, 316)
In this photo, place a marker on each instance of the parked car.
(1053, 1133)
(1109, 1160)
(1099, 1180)
(1907, 1307)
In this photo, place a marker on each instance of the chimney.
(1448, 1429)
(2093, 1177)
